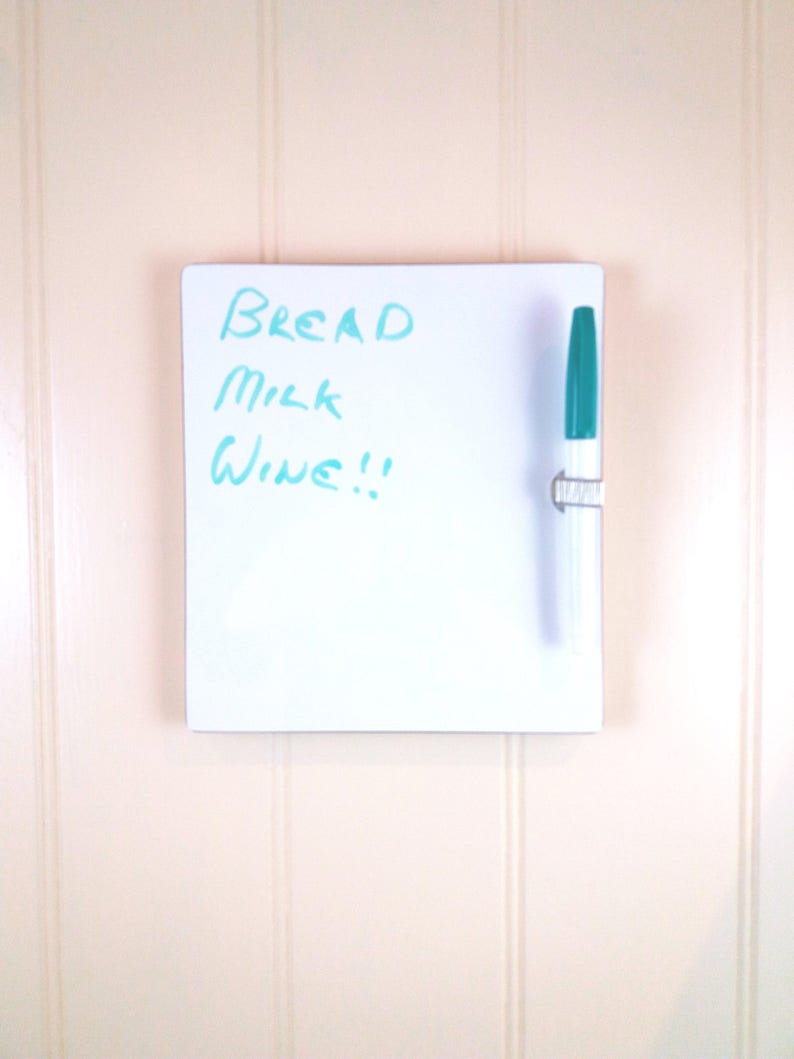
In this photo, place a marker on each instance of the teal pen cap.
(581, 380)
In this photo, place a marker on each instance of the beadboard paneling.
(625, 894)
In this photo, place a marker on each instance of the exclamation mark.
(387, 465)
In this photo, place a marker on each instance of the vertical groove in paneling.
(270, 132)
(511, 132)
(41, 528)
(754, 219)
(270, 251)
(514, 1029)
(513, 110)
(283, 1002)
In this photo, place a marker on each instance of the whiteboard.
(371, 543)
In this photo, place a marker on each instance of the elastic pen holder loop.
(576, 492)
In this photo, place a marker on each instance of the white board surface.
(371, 542)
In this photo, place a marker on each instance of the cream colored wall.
(621, 895)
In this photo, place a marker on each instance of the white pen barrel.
(582, 553)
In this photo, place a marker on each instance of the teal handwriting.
(247, 316)
(387, 466)
(251, 383)
(237, 463)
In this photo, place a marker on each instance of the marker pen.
(581, 461)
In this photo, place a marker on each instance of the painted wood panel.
(625, 894)
(389, 131)
(24, 955)
(633, 157)
(150, 116)
(397, 943)
(773, 960)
